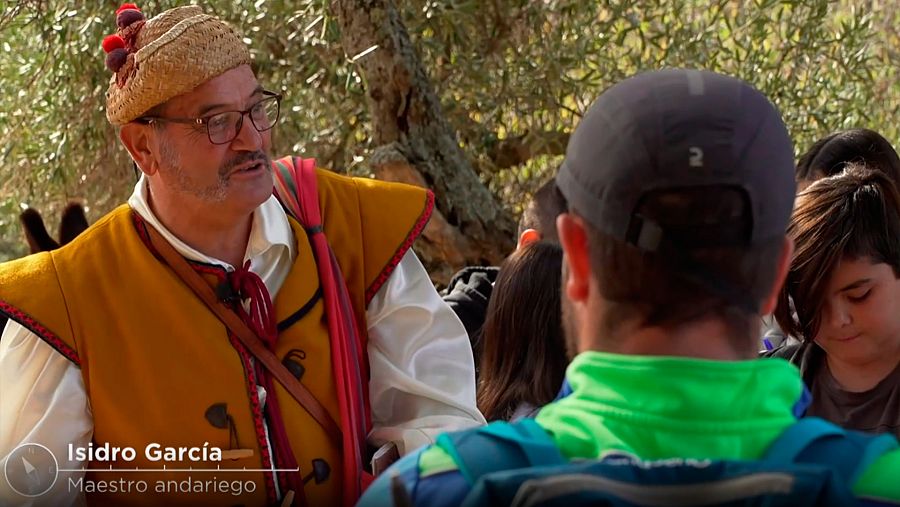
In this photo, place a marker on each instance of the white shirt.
(422, 380)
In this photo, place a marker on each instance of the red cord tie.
(261, 315)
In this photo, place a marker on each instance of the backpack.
(812, 463)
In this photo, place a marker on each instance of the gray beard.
(216, 192)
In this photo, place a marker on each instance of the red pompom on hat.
(127, 6)
(111, 42)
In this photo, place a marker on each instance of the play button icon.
(31, 470)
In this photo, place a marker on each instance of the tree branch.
(517, 150)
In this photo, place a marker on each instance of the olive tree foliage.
(512, 77)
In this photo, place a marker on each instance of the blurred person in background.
(523, 359)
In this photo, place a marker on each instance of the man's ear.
(136, 138)
(573, 238)
(528, 237)
(784, 265)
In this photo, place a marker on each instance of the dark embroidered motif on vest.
(293, 364)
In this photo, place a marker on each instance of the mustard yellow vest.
(158, 365)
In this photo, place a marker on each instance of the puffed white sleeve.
(42, 401)
(422, 373)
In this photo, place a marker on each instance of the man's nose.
(248, 138)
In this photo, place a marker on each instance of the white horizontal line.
(277, 470)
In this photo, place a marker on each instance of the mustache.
(244, 158)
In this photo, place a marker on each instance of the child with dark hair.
(831, 154)
(842, 299)
(523, 360)
(827, 157)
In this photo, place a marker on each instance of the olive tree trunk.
(415, 143)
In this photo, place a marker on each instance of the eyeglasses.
(222, 128)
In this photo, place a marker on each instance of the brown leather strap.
(237, 326)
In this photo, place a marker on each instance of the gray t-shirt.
(874, 411)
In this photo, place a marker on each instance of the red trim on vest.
(414, 233)
(210, 269)
(141, 227)
(256, 410)
(28, 322)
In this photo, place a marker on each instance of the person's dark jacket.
(807, 356)
(468, 295)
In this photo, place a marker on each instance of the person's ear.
(782, 268)
(136, 138)
(528, 237)
(573, 238)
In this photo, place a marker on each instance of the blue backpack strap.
(814, 440)
(500, 446)
(798, 437)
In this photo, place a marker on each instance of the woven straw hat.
(171, 54)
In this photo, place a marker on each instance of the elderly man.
(143, 393)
